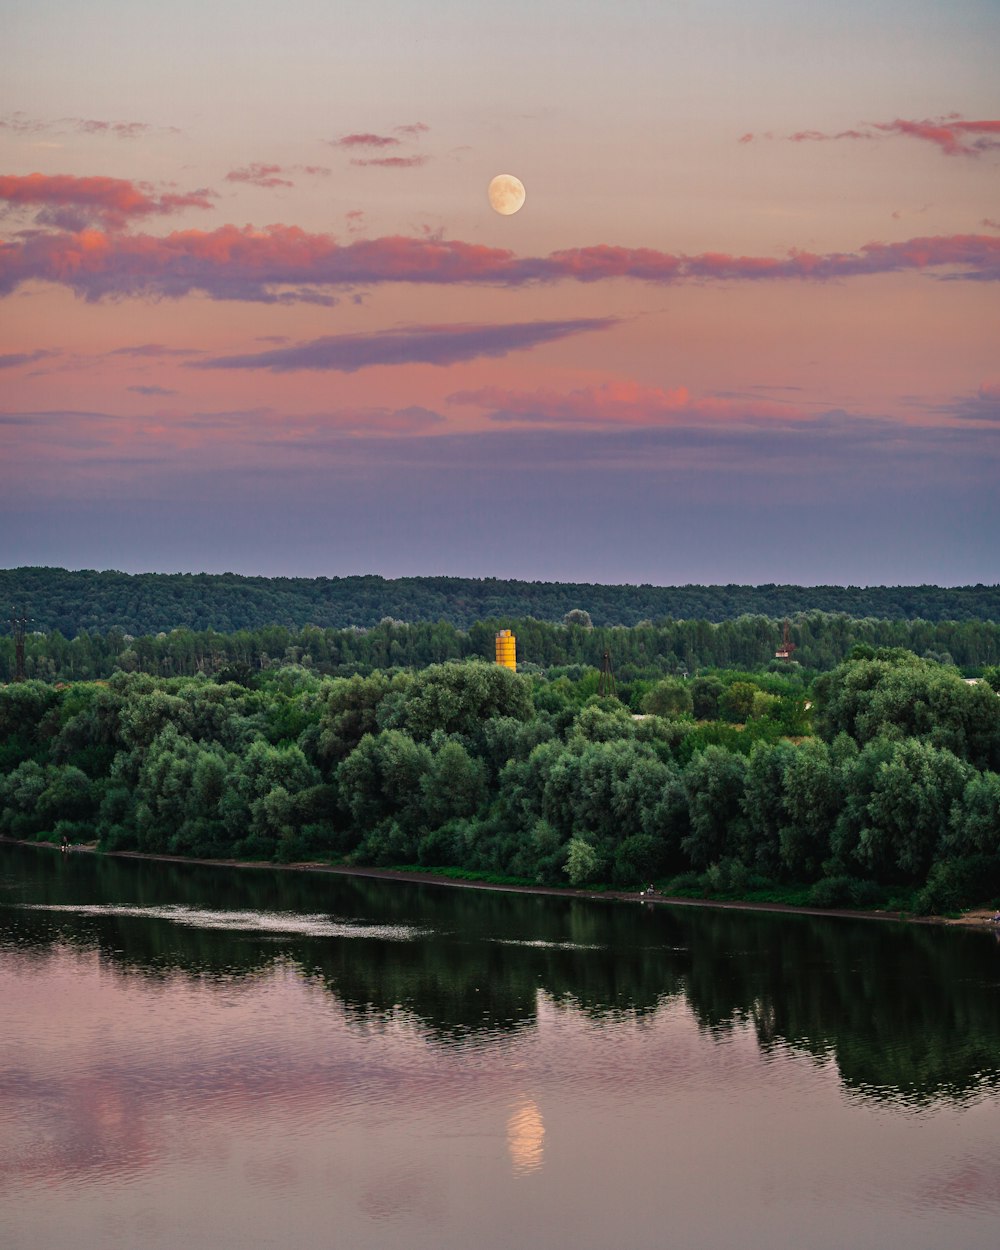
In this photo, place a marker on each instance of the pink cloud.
(817, 136)
(112, 201)
(260, 175)
(368, 140)
(619, 404)
(287, 264)
(263, 175)
(394, 162)
(601, 261)
(365, 140)
(954, 135)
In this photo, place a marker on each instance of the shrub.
(727, 876)
(956, 883)
(845, 891)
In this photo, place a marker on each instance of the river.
(214, 1057)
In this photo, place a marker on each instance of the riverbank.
(974, 918)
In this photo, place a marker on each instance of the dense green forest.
(681, 648)
(877, 782)
(148, 603)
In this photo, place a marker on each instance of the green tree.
(909, 809)
(705, 695)
(736, 704)
(974, 826)
(456, 699)
(811, 803)
(764, 805)
(382, 779)
(579, 617)
(714, 781)
(454, 785)
(582, 862)
(669, 698)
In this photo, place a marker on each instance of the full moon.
(506, 194)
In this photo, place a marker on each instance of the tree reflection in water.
(908, 1013)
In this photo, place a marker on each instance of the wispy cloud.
(285, 264)
(952, 134)
(112, 202)
(982, 405)
(394, 162)
(368, 139)
(863, 454)
(433, 345)
(120, 130)
(260, 176)
(21, 124)
(154, 351)
(367, 145)
(365, 140)
(151, 390)
(89, 445)
(622, 404)
(14, 359)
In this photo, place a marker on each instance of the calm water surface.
(205, 1057)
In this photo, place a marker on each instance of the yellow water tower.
(507, 650)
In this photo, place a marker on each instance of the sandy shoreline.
(976, 918)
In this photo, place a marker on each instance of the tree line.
(725, 782)
(647, 650)
(74, 602)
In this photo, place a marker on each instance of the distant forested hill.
(148, 603)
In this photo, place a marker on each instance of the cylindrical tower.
(507, 650)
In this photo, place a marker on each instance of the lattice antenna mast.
(18, 627)
(784, 652)
(607, 684)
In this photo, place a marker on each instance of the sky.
(257, 314)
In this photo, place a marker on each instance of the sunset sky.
(256, 313)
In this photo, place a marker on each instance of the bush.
(845, 891)
(956, 883)
(638, 859)
(728, 876)
(687, 885)
(831, 892)
(867, 894)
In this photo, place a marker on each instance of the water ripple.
(275, 923)
(539, 943)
